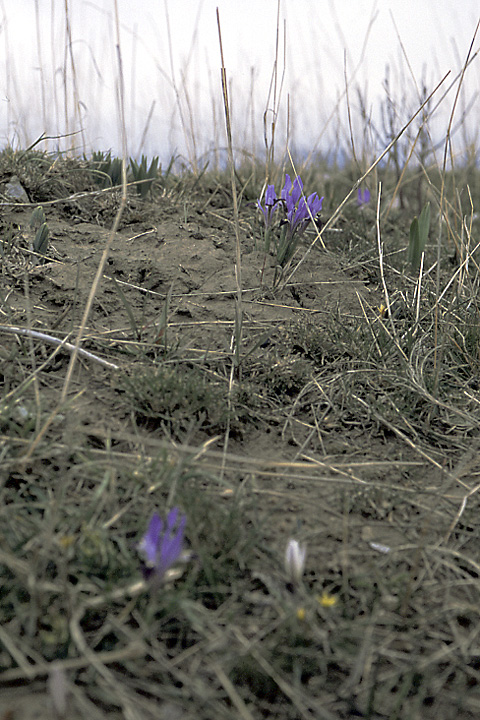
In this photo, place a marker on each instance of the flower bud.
(295, 555)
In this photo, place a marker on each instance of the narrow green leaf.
(424, 225)
(141, 173)
(37, 217)
(40, 243)
(418, 237)
(413, 241)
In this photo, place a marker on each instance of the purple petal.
(300, 214)
(270, 205)
(286, 195)
(150, 541)
(286, 188)
(297, 190)
(291, 194)
(171, 545)
(314, 203)
(270, 196)
(363, 197)
(171, 519)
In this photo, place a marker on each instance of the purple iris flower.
(271, 201)
(363, 197)
(161, 547)
(297, 215)
(291, 193)
(299, 210)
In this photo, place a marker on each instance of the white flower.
(295, 555)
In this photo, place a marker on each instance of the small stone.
(15, 191)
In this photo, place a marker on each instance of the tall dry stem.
(447, 151)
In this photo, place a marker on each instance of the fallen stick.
(56, 341)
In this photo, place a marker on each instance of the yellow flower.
(301, 613)
(65, 541)
(327, 600)
(382, 310)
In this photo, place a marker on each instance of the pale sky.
(171, 65)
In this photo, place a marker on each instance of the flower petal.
(171, 543)
(314, 203)
(270, 205)
(297, 189)
(270, 196)
(151, 540)
(295, 555)
(286, 188)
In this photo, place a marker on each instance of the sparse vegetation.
(311, 433)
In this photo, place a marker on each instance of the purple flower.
(295, 216)
(315, 204)
(291, 194)
(162, 548)
(299, 210)
(363, 197)
(270, 205)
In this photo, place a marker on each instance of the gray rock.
(15, 191)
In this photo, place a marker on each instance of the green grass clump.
(106, 171)
(176, 397)
(143, 175)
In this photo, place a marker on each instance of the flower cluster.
(298, 212)
(160, 547)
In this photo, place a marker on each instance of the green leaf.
(286, 248)
(424, 222)
(37, 217)
(141, 173)
(107, 171)
(418, 237)
(40, 243)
